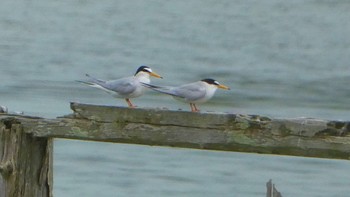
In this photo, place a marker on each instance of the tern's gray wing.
(190, 92)
(123, 86)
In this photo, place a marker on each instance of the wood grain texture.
(25, 161)
(214, 131)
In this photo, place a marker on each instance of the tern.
(192, 93)
(127, 87)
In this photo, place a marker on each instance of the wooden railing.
(26, 145)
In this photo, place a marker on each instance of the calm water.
(281, 59)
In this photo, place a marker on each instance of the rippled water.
(104, 169)
(281, 59)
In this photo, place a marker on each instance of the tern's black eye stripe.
(147, 70)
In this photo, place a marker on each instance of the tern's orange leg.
(129, 103)
(193, 107)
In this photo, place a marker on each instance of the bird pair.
(134, 86)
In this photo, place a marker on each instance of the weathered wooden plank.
(207, 120)
(229, 132)
(152, 116)
(25, 161)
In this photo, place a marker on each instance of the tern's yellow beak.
(223, 87)
(153, 74)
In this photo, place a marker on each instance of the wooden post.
(271, 190)
(25, 162)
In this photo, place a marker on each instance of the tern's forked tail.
(92, 81)
(161, 89)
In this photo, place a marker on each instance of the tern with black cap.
(127, 87)
(192, 93)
